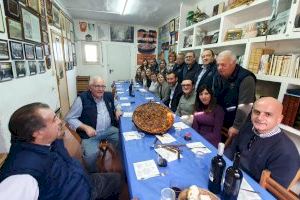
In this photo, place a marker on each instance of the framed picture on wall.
(14, 29)
(172, 26)
(43, 24)
(39, 52)
(34, 5)
(29, 51)
(6, 72)
(46, 49)
(12, 9)
(31, 25)
(20, 68)
(42, 66)
(2, 29)
(32, 67)
(45, 37)
(16, 50)
(4, 53)
(56, 16)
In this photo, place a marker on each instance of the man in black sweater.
(263, 145)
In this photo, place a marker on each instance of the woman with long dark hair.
(208, 116)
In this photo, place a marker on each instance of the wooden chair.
(2, 158)
(294, 187)
(275, 188)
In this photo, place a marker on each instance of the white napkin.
(198, 147)
(180, 125)
(125, 104)
(142, 90)
(149, 98)
(127, 114)
(166, 138)
(123, 98)
(166, 154)
(131, 135)
(145, 169)
(247, 195)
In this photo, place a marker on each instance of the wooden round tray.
(153, 118)
(183, 194)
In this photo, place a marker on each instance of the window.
(90, 53)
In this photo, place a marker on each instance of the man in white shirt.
(39, 166)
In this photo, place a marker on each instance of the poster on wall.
(142, 57)
(146, 41)
(6, 72)
(121, 33)
(103, 32)
(86, 31)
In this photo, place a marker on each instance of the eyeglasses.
(99, 86)
(251, 142)
(186, 85)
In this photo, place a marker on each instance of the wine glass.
(167, 194)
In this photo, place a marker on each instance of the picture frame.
(63, 24)
(32, 67)
(14, 29)
(39, 52)
(43, 8)
(16, 50)
(233, 34)
(49, 11)
(41, 66)
(2, 28)
(48, 61)
(207, 39)
(34, 5)
(215, 38)
(20, 69)
(31, 26)
(46, 50)
(29, 51)
(44, 26)
(12, 9)
(215, 10)
(6, 72)
(172, 26)
(121, 33)
(56, 16)
(278, 26)
(4, 52)
(45, 37)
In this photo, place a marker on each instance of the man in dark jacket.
(207, 69)
(263, 145)
(234, 88)
(39, 167)
(94, 116)
(178, 67)
(175, 91)
(191, 67)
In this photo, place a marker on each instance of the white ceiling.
(141, 12)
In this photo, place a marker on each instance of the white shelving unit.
(259, 10)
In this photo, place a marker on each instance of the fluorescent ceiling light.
(125, 4)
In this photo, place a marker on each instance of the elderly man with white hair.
(234, 88)
(94, 116)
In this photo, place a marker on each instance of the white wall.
(20, 91)
(89, 70)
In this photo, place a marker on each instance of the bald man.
(94, 116)
(234, 88)
(263, 145)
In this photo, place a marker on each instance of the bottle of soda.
(233, 180)
(218, 165)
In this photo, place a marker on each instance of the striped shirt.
(273, 132)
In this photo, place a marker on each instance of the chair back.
(275, 188)
(294, 187)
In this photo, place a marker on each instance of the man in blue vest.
(234, 88)
(94, 116)
(39, 167)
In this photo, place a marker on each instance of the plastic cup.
(167, 194)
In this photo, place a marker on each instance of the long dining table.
(191, 169)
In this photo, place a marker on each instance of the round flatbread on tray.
(153, 118)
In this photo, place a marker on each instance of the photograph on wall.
(6, 72)
(16, 50)
(85, 31)
(45, 37)
(44, 24)
(4, 53)
(29, 51)
(42, 66)
(14, 29)
(56, 16)
(2, 29)
(103, 32)
(49, 11)
(46, 49)
(34, 5)
(12, 9)
(20, 68)
(39, 52)
(32, 67)
(146, 40)
(142, 57)
(31, 26)
(121, 33)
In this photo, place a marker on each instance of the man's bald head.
(266, 114)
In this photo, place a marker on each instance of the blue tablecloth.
(190, 170)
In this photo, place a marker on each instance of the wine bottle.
(233, 180)
(130, 88)
(218, 165)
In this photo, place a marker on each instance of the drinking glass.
(167, 194)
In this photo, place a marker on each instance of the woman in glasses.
(208, 116)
